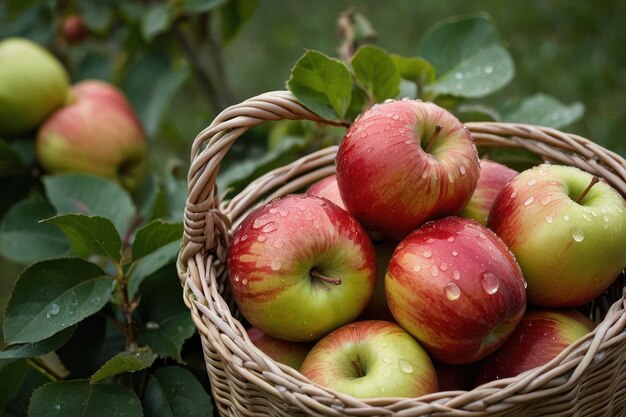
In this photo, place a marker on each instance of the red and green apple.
(289, 353)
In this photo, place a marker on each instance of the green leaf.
(97, 15)
(175, 392)
(153, 200)
(155, 21)
(151, 84)
(477, 112)
(90, 235)
(414, 69)
(376, 73)
(544, 110)
(24, 240)
(487, 71)
(166, 322)
(80, 398)
(32, 350)
(357, 102)
(10, 160)
(202, 6)
(151, 263)
(233, 16)
(465, 53)
(124, 362)
(12, 375)
(155, 235)
(322, 84)
(91, 195)
(53, 295)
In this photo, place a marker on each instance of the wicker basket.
(587, 379)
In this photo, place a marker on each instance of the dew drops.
(408, 142)
(566, 217)
(434, 271)
(450, 239)
(577, 234)
(278, 244)
(152, 325)
(424, 174)
(273, 210)
(532, 181)
(261, 238)
(275, 265)
(587, 217)
(431, 240)
(395, 117)
(54, 309)
(488, 69)
(545, 200)
(458, 75)
(529, 201)
(549, 219)
(490, 283)
(57, 406)
(455, 253)
(456, 275)
(452, 291)
(443, 266)
(451, 178)
(402, 130)
(462, 170)
(244, 237)
(405, 366)
(482, 236)
(244, 282)
(427, 254)
(236, 278)
(525, 284)
(284, 212)
(513, 194)
(260, 222)
(270, 227)
(301, 207)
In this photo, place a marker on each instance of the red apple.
(369, 359)
(455, 377)
(539, 337)
(301, 267)
(455, 286)
(290, 353)
(98, 133)
(493, 177)
(328, 189)
(403, 163)
(567, 231)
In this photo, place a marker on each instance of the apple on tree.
(567, 230)
(289, 353)
(538, 338)
(403, 163)
(98, 133)
(455, 286)
(493, 177)
(33, 83)
(369, 359)
(300, 267)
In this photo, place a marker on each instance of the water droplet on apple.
(244, 282)
(270, 227)
(566, 217)
(276, 265)
(236, 240)
(273, 210)
(451, 178)
(462, 170)
(452, 291)
(545, 200)
(587, 217)
(577, 234)
(417, 268)
(236, 278)
(456, 275)
(531, 181)
(395, 117)
(301, 207)
(261, 238)
(244, 237)
(482, 236)
(443, 266)
(549, 219)
(424, 174)
(308, 215)
(450, 239)
(427, 254)
(430, 240)
(490, 283)
(434, 271)
(513, 194)
(525, 284)
(285, 212)
(402, 130)
(529, 201)
(279, 244)
(405, 366)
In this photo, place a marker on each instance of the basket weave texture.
(587, 379)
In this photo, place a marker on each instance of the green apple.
(369, 359)
(567, 231)
(33, 83)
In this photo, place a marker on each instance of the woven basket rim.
(209, 221)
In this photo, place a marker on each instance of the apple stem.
(433, 139)
(318, 275)
(593, 182)
(356, 364)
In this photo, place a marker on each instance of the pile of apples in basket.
(419, 267)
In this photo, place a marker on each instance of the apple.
(455, 377)
(403, 163)
(300, 267)
(377, 309)
(539, 337)
(369, 359)
(493, 177)
(98, 133)
(33, 83)
(455, 286)
(290, 353)
(328, 189)
(73, 28)
(567, 231)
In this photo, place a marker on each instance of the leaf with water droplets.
(53, 295)
(376, 73)
(544, 110)
(175, 392)
(80, 398)
(124, 362)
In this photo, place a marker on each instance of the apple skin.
(369, 359)
(98, 133)
(328, 189)
(569, 252)
(33, 84)
(387, 179)
(289, 353)
(271, 259)
(493, 177)
(377, 309)
(538, 338)
(455, 286)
